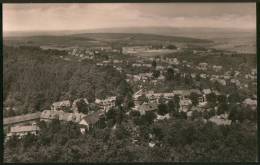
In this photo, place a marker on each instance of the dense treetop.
(35, 78)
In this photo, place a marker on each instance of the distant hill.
(137, 36)
(50, 40)
(234, 39)
(227, 39)
(196, 32)
(42, 38)
(100, 39)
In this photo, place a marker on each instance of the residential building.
(90, 120)
(203, 66)
(49, 115)
(74, 107)
(217, 68)
(146, 107)
(252, 103)
(160, 117)
(28, 119)
(203, 75)
(136, 65)
(21, 131)
(135, 49)
(60, 105)
(253, 71)
(184, 104)
(220, 119)
(159, 67)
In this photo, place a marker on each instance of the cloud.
(88, 16)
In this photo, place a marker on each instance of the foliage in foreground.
(175, 139)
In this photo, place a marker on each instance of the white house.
(22, 130)
(145, 107)
(252, 103)
(74, 104)
(184, 104)
(203, 75)
(217, 68)
(163, 117)
(203, 66)
(60, 105)
(220, 119)
(89, 121)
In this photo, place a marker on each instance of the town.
(129, 82)
(196, 90)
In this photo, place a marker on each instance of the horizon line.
(53, 30)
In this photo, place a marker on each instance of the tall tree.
(82, 106)
(211, 98)
(156, 73)
(176, 99)
(194, 98)
(169, 74)
(154, 64)
(171, 106)
(162, 109)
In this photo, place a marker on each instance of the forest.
(33, 79)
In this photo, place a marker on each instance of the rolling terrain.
(242, 41)
(100, 39)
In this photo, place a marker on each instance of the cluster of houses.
(223, 78)
(205, 66)
(90, 52)
(135, 49)
(28, 124)
(21, 125)
(64, 111)
(184, 95)
(102, 104)
(147, 49)
(139, 77)
(167, 60)
(211, 51)
(83, 53)
(142, 65)
(185, 103)
(24, 124)
(109, 62)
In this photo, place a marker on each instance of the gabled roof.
(93, 117)
(182, 92)
(27, 128)
(148, 107)
(206, 91)
(63, 116)
(195, 91)
(61, 103)
(220, 121)
(22, 118)
(250, 101)
(49, 114)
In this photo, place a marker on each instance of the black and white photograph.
(129, 82)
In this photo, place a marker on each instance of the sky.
(45, 17)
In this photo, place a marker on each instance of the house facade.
(21, 131)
